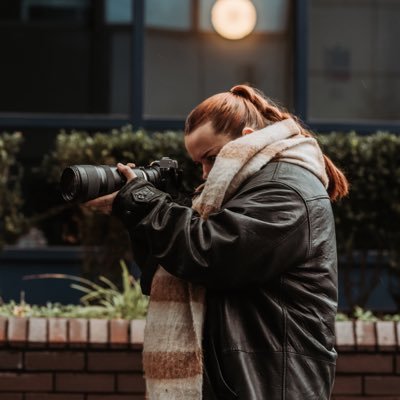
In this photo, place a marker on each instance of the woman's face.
(203, 145)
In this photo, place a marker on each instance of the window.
(60, 57)
(353, 65)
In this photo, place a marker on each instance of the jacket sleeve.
(257, 235)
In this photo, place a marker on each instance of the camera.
(82, 183)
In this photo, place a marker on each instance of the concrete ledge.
(101, 333)
(71, 332)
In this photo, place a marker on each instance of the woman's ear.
(246, 130)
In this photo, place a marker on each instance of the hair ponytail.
(338, 186)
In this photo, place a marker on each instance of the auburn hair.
(244, 106)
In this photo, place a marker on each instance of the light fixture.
(233, 19)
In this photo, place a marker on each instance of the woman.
(243, 286)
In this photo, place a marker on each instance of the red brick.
(52, 396)
(3, 331)
(54, 360)
(10, 360)
(137, 332)
(37, 332)
(119, 335)
(345, 338)
(348, 385)
(98, 332)
(382, 385)
(58, 335)
(133, 383)
(364, 363)
(116, 397)
(11, 396)
(25, 382)
(365, 335)
(17, 330)
(115, 361)
(78, 332)
(386, 335)
(84, 382)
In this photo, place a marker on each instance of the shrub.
(12, 221)
(369, 218)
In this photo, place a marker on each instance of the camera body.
(81, 183)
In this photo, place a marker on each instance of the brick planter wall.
(368, 366)
(78, 359)
(75, 359)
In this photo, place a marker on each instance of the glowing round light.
(233, 19)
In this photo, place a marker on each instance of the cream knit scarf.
(172, 351)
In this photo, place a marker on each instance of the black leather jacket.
(268, 260)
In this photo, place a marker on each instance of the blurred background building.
(97, 64)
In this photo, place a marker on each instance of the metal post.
(301, 59)
(137, 92)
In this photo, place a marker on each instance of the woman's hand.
(104, 204)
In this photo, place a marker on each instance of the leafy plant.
(364, 315)
(12, 220)
(342, 317)
(103, 300)
(50, 310)
(360, 314)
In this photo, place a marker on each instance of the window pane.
(118, 11)
(183, 68)
(354, 65)
(58, 56)
(168, 14)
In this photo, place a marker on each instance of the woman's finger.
(126, 170)
(102, 204)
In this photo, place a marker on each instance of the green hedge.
(12, 221)
(123, 145)
(367, 219)
(370, 216)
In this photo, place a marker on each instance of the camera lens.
(86, 182)
(70, 181)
